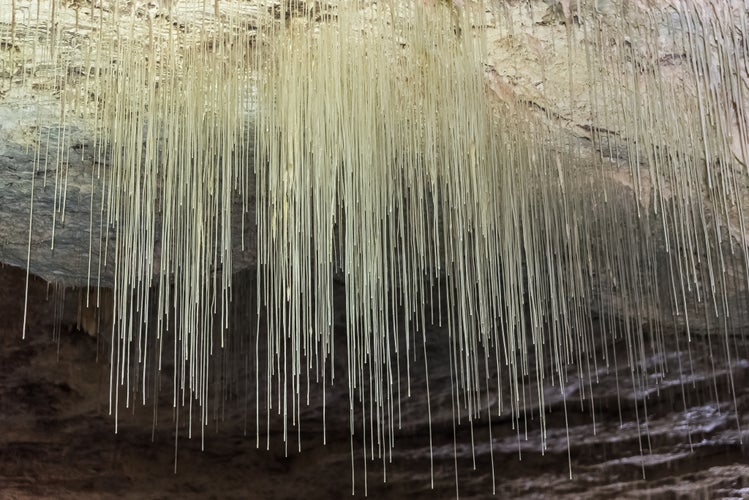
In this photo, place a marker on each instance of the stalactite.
(380, 159)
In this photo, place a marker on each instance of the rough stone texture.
(58, 440)
(64, 258)
(68, 260)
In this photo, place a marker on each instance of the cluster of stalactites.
(376, 157)
(395, 173)
(379, 161)
(167, 105)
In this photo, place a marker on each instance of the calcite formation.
(558, 182)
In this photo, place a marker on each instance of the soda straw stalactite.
(379, 156)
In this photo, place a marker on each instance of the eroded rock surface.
(58, 439)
